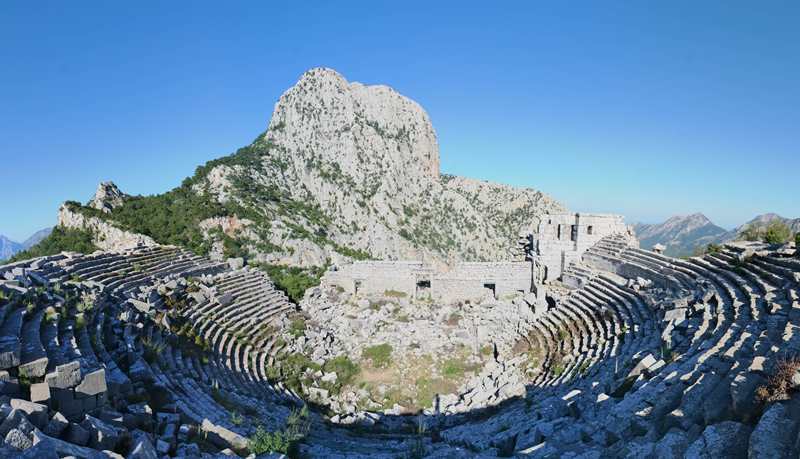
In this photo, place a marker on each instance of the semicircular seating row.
(226, 388)
(625, 373)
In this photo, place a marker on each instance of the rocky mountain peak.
(107, 197)
(364, 130)
(344, 170)
(698, 218)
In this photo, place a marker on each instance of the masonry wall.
(465, 281)
(563, 238)
(372, 277)
(470, 280)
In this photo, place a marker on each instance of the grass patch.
(394, 294)
(779, 384)
(453, 319)
(453, 368)
(346, 372)
(297, 327)
(380, 355)
(282, 441)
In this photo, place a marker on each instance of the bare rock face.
(107, 197)
(367, 158)
(365, 128)
(344, 171)
(106, 235)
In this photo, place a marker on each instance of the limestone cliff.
(343, 169)
(368, 159)
(107, 236)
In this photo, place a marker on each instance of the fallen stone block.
(16, 419)
(40, 393)
(10, 353)
(726, 439)
(142, 447)
(77, 435)
(65, 376)
(101, 434)
(93, 384)
(17, 439)
(66, 448)
(35, 368)
(646, 362)
(222, 437)
(774, 434)
(140, 305)
(58, 423)
(35, 412)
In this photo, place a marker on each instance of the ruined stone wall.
(474, 280)
(563, 238)
(376, 277)
(465, 281)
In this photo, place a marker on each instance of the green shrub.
(269, 442)
(797, 240)
(291, 369)
(297, 327)
(777, 233)
(293, 281)
(558, 369)
(751, 233)
(380, 355)
(282, 441)
(60, 240)
(346, 371)
(169, 218)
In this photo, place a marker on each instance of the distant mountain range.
(9, 248)
(681, 235)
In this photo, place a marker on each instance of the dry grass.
(779, 384)
(414, 382)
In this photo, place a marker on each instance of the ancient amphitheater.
(155, 352)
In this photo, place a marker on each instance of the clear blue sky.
(648, 109)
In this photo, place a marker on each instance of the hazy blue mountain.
(8, 247)
(762, 221)
(681, 234)
(36, 237)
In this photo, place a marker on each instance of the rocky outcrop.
(107, 236)
(107, 197)
(367, 159)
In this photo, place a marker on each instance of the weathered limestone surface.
(106, 235)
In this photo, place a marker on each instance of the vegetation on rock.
(777, 233)
(60, 240)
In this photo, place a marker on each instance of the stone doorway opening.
(423, 287)
(491, 287)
